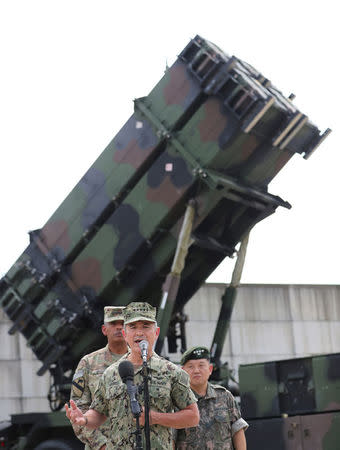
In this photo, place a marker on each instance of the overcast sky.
(69, 73)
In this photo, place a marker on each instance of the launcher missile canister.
(213, 133)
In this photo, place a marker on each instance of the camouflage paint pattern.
(244, 156)
(42, 427)
(144, 210)
(308, 432)
(175, 97)
(96, 191)
(220, 419)
(259, 390)
(213, 130)
(118, 165)
(84, 384)
(326, 370)
(169, 390)
(100, 190)
(294, 386)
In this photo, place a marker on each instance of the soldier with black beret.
(90, 369)
(221, 425)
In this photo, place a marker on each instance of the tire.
(59, 444)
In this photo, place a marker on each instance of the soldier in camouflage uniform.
(169, 390)
(221, 425)
(90, 369)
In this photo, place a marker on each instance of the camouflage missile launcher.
(305, 432)
(294, 386)
(213, 132)
(292, 403)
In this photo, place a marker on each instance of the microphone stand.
(138, 434)
(145, 374)
(136, 411)
(126, 373)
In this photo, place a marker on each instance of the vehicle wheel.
(59, 444)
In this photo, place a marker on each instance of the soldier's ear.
(104, 330)
(210, 368)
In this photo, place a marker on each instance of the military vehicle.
(175, 192)
(292, 404)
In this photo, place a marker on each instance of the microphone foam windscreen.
(125, 370)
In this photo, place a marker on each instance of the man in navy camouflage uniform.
(172, 403)
(90, 368)
(221, 426)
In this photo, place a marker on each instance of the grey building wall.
(269, 322)
(21, 390)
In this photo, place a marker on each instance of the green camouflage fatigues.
(84, 384)
(169, 389)
(220, 419)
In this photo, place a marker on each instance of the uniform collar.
(209, 394)
(107, 351)
(210, 391)
(109, 354)
(153, 362)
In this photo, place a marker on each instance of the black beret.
(197, 352)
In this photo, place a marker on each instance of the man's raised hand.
(74, 414)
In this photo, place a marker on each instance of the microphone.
(143, 345)
(126, 373)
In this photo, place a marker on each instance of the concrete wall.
(21, 390)
(269, 322)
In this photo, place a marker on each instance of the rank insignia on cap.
(195, 353)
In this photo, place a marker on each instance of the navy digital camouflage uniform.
(220, 419)
(169, 390)
(85, 381)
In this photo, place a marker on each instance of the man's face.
(199, 371)
(136, 332)
(113, 331)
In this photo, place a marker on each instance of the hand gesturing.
(74, 414)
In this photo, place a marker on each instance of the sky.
(71, 69)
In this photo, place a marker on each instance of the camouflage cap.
(139, 311)
(112, 313)
(197, 352)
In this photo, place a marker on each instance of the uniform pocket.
(115, 390)
(222, 429)
(160, 399)
(117, 399)
(221, 415)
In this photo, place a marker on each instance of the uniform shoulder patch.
(78, 383)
